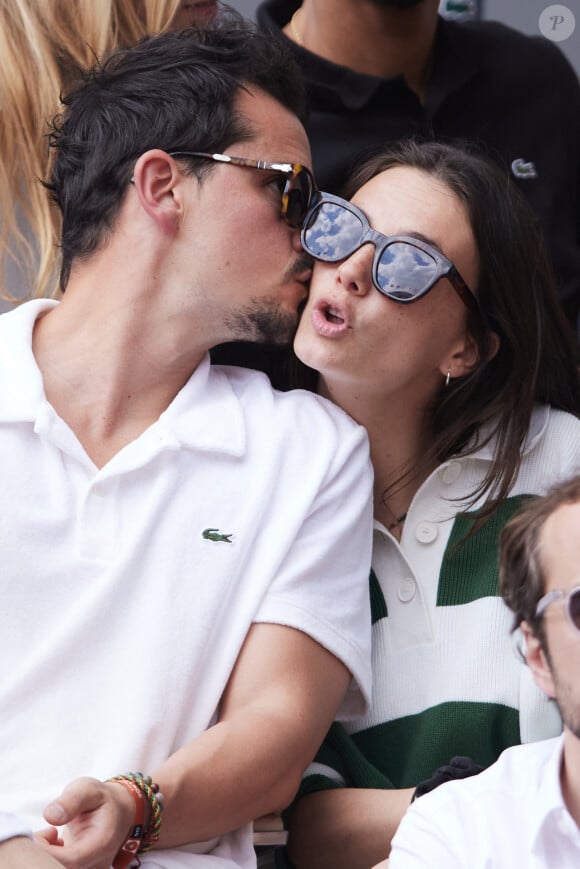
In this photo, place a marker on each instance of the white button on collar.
(407, 589)
(450, 472)
(426, 532)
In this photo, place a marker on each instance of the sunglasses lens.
(404, 272)
(298, 196)
(332, 232)
(574, 605)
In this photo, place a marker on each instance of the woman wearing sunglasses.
(433, 321)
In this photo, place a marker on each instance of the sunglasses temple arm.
(464, 292)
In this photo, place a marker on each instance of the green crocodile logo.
(215, 535)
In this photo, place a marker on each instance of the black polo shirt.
(515, 95)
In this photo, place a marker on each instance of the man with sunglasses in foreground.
(184, 553)
(525, 809)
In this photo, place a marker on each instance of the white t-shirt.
(511, 816)
(126, 592)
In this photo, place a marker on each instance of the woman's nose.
(355, 272)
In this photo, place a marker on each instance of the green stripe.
(410, 749)
(340, 752)
(403, 752)
(469, 569)
(313, 783)
(378, 603)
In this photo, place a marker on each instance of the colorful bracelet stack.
(141, 838)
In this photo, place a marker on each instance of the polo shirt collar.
(22, 391)
(353, 89)
(538, 425)
(206, 414)
(453, 64)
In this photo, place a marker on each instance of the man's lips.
(330, 319)
(301, 273)
(304, 275)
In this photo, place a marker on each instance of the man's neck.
(111, 361)
(570, 774)
(368, 38)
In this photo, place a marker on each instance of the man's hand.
(98, 816)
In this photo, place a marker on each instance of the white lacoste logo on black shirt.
(523, 169)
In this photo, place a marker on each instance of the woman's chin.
(304, 349)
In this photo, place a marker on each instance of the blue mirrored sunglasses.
(571, 599)
(404, 268)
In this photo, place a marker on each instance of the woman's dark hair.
(537, 359)
(175, 91)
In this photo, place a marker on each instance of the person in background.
(525, 809)
(172, 603)
(382, 70)
(432, 320)
(43, 44)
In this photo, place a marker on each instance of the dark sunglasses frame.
(557, 594)
(444, 266)
(291, 171)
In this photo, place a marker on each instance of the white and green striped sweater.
(447, 678)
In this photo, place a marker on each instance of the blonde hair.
(42, 44)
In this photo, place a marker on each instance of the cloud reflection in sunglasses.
(404, 270)
(334, 232)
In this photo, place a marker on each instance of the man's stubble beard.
(567, 697)
(262, 321)
(568, 703)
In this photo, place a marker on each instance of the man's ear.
(537, 661)
(156, 179)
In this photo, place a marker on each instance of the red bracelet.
(141, 838)
(128, 851)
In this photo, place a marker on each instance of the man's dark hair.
(521, 568)
(175, 91)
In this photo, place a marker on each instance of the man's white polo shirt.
(11, 826)
(511, 815)
(126, 592)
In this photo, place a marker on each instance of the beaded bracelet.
(140, 839)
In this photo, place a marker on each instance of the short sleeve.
(11, 826)
(321, 587)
